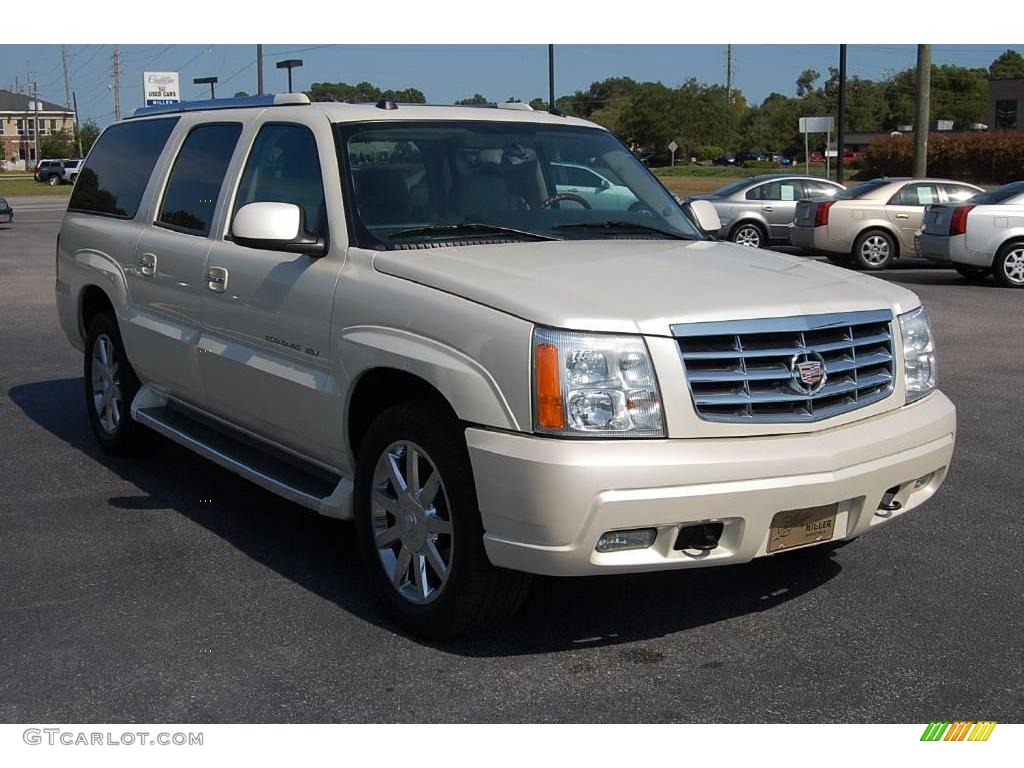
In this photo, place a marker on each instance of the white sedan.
(980, 235)
(600, 192)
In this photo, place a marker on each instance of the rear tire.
(404, 535)
(110, 387)
(750, 234)
(874, 250)
(1008, 266)
(53, 181)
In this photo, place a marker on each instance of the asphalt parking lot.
(165, 589)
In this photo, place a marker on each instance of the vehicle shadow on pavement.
(319, 554)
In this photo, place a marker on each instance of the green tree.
(805, 83)
(539, 103)
(1009, 64)
(476, 98)
(240, 94)
(87, 133)
(59, 144)
(362, 93)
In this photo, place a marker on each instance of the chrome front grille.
(748, 370)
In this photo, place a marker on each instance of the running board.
(287, 476)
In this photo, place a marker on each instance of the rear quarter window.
(119, 166)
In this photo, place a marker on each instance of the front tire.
(53, 181)
(1008, 266)
(418, 527)
(110, 387)
(874, 250)
(749, 234)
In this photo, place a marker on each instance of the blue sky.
(448, 72)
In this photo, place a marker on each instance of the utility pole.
(259, 69)
(921, 115)
(728, 72)
(67, 80)
(841, 137)
(551, 78)
(35, 117)
(117, 85)
(78, 128)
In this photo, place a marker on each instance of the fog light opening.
(888, 504)
(923, 480)
(619, 541)
(702, 537)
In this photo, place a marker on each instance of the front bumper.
(545, 502)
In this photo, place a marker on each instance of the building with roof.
(19, 113)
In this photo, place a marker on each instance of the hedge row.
(992, 157)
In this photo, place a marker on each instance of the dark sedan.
(6, 211)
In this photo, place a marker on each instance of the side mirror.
(706, 216)
(275, 227)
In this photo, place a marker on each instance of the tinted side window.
(916, 194)
(819, 189)
(580, 177)
(194, 185)
(284, 167)
(113, 180)
(785, 190)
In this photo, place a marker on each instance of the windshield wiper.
(622, 226)
(469, 228)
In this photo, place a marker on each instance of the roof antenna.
(386, 104)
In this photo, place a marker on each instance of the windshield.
(860, 190)
(418, 182)
(998, 195)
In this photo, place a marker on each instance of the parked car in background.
(872, 223)
(759, 210)
(598, 190)
(727, 159)
(981, 235)
(54, 172)
(753, 155)
(6, 211)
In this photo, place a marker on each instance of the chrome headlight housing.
(919, 362)
(594, 385)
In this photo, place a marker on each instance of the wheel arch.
(380, 388)
(92, 300)
(749, 218)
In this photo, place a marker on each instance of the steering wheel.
(565, 196)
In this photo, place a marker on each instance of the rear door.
(906, 211)
(171, 257)
(778, 205)
(265, 355)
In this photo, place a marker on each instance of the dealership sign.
(161, 88)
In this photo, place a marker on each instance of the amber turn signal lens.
(550, 408)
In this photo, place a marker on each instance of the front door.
(778, 205)
(265, 356)
(906, 211)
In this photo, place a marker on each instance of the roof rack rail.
(242, 102)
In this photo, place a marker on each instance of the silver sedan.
(758, 211)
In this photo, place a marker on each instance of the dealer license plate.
(797, 527)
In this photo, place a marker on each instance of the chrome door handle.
(769, 208)
(217, 279)
(147, 264)
(902, 215)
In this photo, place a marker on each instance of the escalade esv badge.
(808, 369)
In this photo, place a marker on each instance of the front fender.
(469, 388)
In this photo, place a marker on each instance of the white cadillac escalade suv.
(414, 318)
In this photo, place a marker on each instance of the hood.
(640, 286)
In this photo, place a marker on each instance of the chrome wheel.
(748, 235)
(106, 384)
(411, 522)
(1013, 266)
(875, 250)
